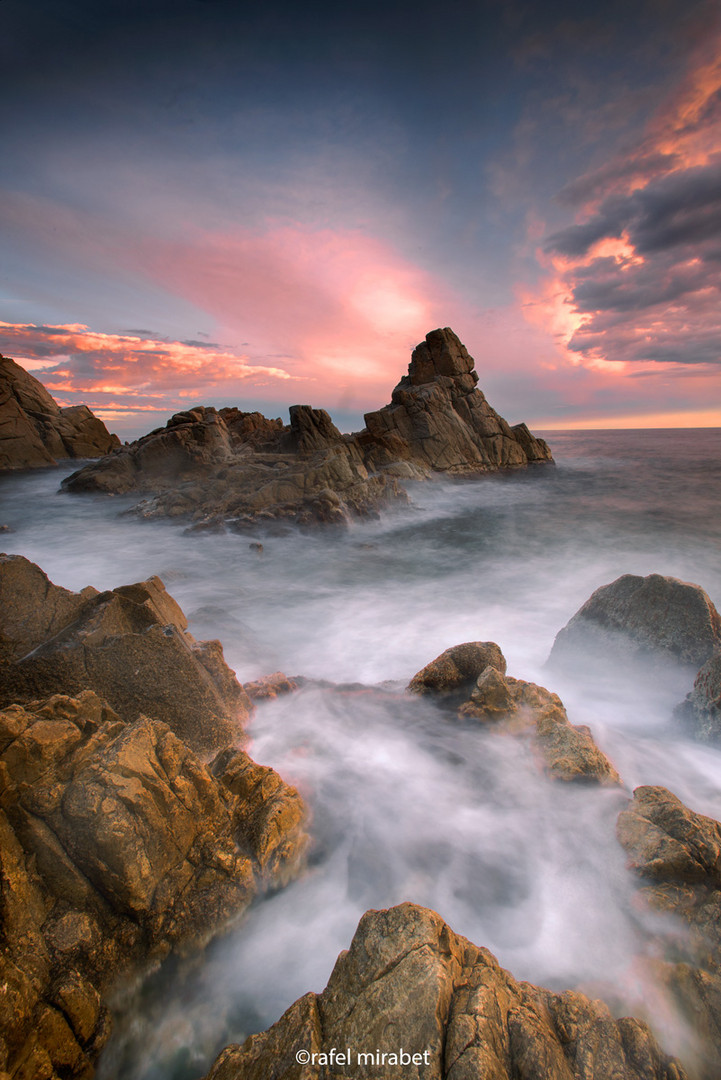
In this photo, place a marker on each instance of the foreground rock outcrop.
(35, 431)
(410, 998)
(130, 645)
(116, 845)
(231, 468)
(472, 679)
(651, 619)
(676, 854)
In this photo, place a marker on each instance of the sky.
(229, 203)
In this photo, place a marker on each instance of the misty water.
(407, 803)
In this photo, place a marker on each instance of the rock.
(676, 854)
(35, 431)
(225, 465)
(473, 677)
(129, 644)
(270, 686)
(411, 998)
(116, 845)
(456, 669)
(437, 417)
(634, 618)
(701, 711)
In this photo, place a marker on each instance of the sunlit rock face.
(408, 985)
(35, 431)
(652, 620)
(116, 845)
(229, 468)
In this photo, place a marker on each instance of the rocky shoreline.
(131, 829)
(228, 469)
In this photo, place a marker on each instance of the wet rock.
(457, 669)
(473, 677)
(676, 854)
(116, 845)
(270, 686)
(410, 986)
(701, 711)
(652, 618)
(129, 644)
(225, 465)
(35, 431)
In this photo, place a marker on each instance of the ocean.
(406, 803)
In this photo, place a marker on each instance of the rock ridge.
(232, 469)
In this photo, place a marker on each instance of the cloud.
(130, 372)
(639, 272)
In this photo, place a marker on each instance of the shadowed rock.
(635, 618)
(701, 711)
(410, 985)
(35, 431)
(676, 854)
(235, 468)
(130, 645)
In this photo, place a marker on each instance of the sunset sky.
(223, 202)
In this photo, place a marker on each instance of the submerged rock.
(473, 677)
(226, 465)
(411, 998)
(130, 645)
(652, 618)
(676, 854)
(116, 845)
(35, 431)
(701, 711)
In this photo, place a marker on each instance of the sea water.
(407, 804)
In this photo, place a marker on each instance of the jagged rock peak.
(442, 353)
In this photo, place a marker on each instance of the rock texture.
(473, 678)
(35, 431)
(130, 645)
(234, 469)
(676, 854)
(650, 618)
(409, 985)
(116, 845)
(701, 711)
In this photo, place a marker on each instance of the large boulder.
(411, 998)
(230, 468)
(116, 845)
(650, 619)
(130, 645)
(676, 854)
(35, 431)
(472, 678)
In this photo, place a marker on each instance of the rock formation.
(410, 998)
(676, 854)
(635, 618)
(35, 431)
(130, 645)
(237, 469)
(701, 711)
(472, 678)
(116, 845)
